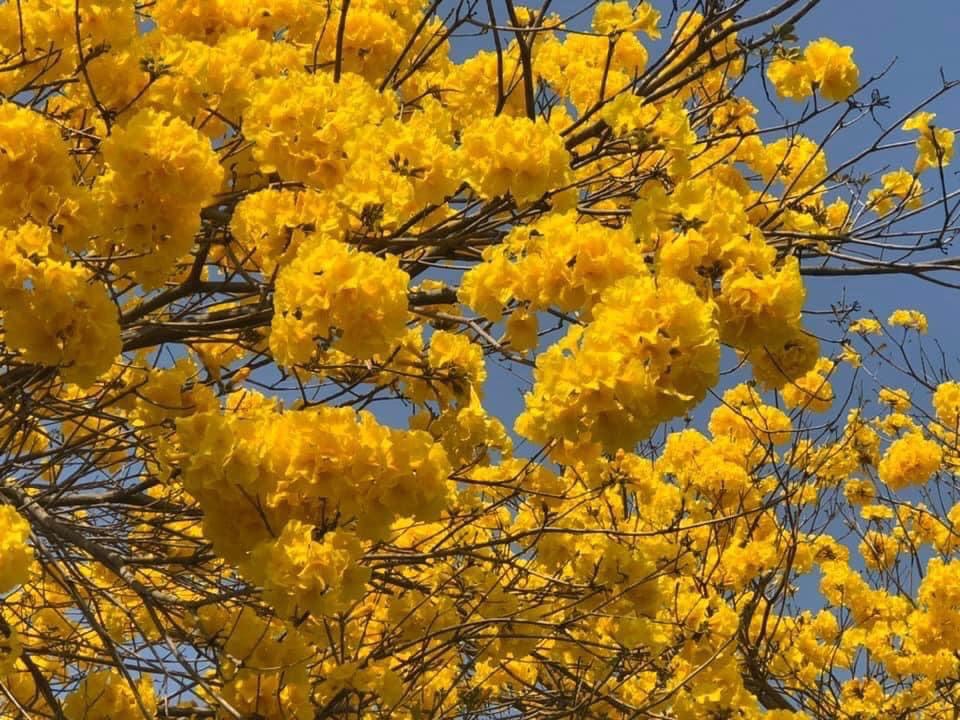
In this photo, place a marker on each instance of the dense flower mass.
(303, 125)
(16, 555)
(650, 353)
(145, 208)
(405, 359)
(55, 313)
(331, 295)
(35, 182)
(517, 156)
(107, 695)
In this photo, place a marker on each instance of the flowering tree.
(257, 263)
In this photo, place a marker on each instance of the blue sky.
(921, 37)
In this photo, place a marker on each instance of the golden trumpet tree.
(262, 264)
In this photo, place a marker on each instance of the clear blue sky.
(921, 35)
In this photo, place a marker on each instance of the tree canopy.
(266, 267)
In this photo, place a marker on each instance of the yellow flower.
(876, 512)
(832, 68)
(157, 156)
(650, 353)
(559, 261)
(522, 330)
(849, 355)
(334, 295)
(55, 313)
(35, 177)
(899, 188)
(858, 492)
(879, 551)
(514, 155)
(824, 64)
(896, 398)
(107, 695)
(797, 161)
(300, 573)
(811, 391)
(323, 116)
(458, 363)
(760, 309)
(610, 17)
(912, 319)
(866, 326)
(946, 403)
(775, 365)
(16, 555)
(911, 460)
(838, 214)
(743, 416)
(791, 77)
(934, 146)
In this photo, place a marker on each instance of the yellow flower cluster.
(811, 391)
(619, 17)
(459, 364)
(36, 27)
(270, 676)
(719, 250)
(212, 81)
(576, 64)
(303, 124)
(911, 460)
(308, 569)
(776, 364)
(650, 353)
(334, 296)
(934, 146)
(108, 695)
(270, 225)
(555, 262)
(899, 189)
(759, 309)
(745, 418)
(16, 555)
(946, 403)
(256, 471)
(797, 162)
(910, 319)
(935, 621)
(823, 66)
(35, 180)
(146, 206)
(866, 326)
(402, 167)
(55, 313)
(208, 21)
(709, 72)
(466, 432)
(515, 155)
